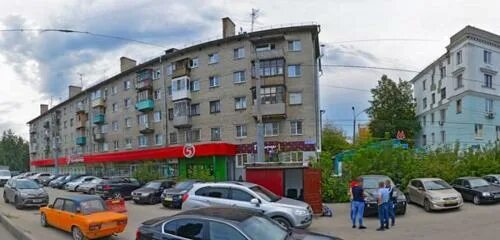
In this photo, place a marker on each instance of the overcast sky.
(37, 67)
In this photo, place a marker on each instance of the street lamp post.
(353, 125)
(321, 112)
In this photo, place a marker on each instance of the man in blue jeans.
(358, 204)
(383, 201)
(392, 203)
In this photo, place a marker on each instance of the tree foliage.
(333, 139)
(14, 151)
(392, 109)
(147, 172)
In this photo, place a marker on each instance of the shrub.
(147, 172)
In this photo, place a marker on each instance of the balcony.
(144, 75)
(276, 110)
(146, 128)
(269, 54)
(98, 137)
(145, 105)
(80, 124)
(98, 118)
(33, 148)
(98, 102)
(181, 68)
(81, 141)
(180, 88)
(182, 121)
(144, 84)
(269, 81)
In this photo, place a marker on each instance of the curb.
(17, 232)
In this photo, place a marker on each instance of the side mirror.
(255, 202)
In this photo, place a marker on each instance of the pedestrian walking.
(358, 204)
(392, 202)
(383, 200)
(351, 185)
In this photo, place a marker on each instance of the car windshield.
(265, 194)
(372, 182)
(27, 185)
(436, 185)
(183, 185)
(155, 185)
(478, 182)
(262, 228)
(92, 206)
(4, 173)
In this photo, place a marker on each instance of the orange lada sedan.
(86, 217)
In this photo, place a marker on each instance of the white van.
(5, 175)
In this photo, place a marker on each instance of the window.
(432, 118)
(142, 140)
(240, 103)
(296, 156)
(239, 77)
(128, 122)
(105, 147)
(191, 229)
(239, 53)
(442, 71)
(158, 139)
(156, 75)
(213, 58)
(241, 131)
(114, 126)
(424, 102)
(195, 85)
(424, 83)
(173, 138)
(214, 81)
(170, 69)
(215, 134)
(442, 115)
(294, 45)
(114, 107)
(433, 139)
(487, 57)
(157, 116)
(65, 124)
(488, 105)
(241, 160)
(265, 47)
(498, 132)
(126, 85)
(296, 127)
(116, 145)
(114, 90)
(69, 206)
(294, 70)
(169, 90)
(478, 130)
(128, 142)
(195, 135)
(157, 94)
(223, 231)
(195, 62)
(459, 57)
(195, 109)
(71, 122)
(459, 106)
(424, 120)
(59, 204)
(488, 81)
(443, 137)
(271, 129)
(126, 102)
(443, 93)
(295, 98)
(170, 114)
(271, 67)
(433, 98)
(271, 95)
(214, 106)
(460, 81)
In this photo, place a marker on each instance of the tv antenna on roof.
(254, 15)
(81, 79)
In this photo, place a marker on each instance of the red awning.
(201, 150)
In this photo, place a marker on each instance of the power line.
(388, 39)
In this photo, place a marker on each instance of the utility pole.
(353, 126)
(260, 126)
(254, 16)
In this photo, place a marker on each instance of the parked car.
(25, 193)
(39, 176)
(89, 187)
(15, 173)
(286, 211)
(477, 190)
(86, 217)
(60, 184)
(45, 181)
(25, 175)
(56, 181)
(151, 192)
(5, 175)
(117, 187)
(433, 194)
(493, 179)
(221, 224)
(172, 197)
(370, 184)
(73, 185)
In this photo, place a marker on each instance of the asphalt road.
(470, 222)
(4, 234)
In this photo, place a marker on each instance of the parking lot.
(471, 222)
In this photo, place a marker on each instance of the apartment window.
(65, 124)
(157, 116)
(433, 98)
(71, 122)
(142, 140)
(443, 137)
(194, 85)
(424, 140)
(459, 106)
(478, 130)
(239, 77)
(295, 98)
(116, 145)
(498, 132)
(442, 71)
(214, 81)
(173, 138)
(170, 69)
(239, 53)
(424, 83)
(240, 103)
(487, 57)
(157, 94)
(294, 70)
(241, 160)
(460, 81)
(459, 57)
(114, 90)
(271, 129)
(126, 102)
(433, 139)
(424, 102)
(128, 142)
(158, 139)
(424, 121)
(195, 109)
(442, 115)
(241, 131)
(215, 134)
(296, 127)
(443, 93)
(126, 85)
(271, 95)
(488, 105)
(265, 47)
(114, 126)
(213, 58)
(294, 45)
(195, 135)
(105, 147)
(214, 106)
(195, 62)
(271, 67)
(156, 75)
(488, 81)
(170, 114)
(114, 107)
(128, 122)
(169, 90)
(432, 118)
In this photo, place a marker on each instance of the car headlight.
(145, 194)
(435, 198)
(486, 194)
(299, 212)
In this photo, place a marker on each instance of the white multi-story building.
(458, 95)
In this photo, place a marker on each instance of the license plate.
(37, 200)
(135, 198)
(109, 225)
(168, 199)
(450, 202)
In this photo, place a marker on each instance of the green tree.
(393, 109)
(333, 139)
(14, 151)
(147, 172)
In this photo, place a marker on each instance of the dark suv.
(117, 187)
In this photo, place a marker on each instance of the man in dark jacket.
(358, 204)
(392, 202)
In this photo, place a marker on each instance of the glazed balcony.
(99, 137)
(276, 110)
(182, 121)
(181, 68)
(81, 141)
(269, 54)
(146, 128)
(98, 118)
(98, 102)
(269, 81)
(144, 84)
(145, 105)
(80, 124)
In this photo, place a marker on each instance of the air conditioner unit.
(489, 115)
(441, 123)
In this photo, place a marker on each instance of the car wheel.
(92, 191)
(77, 234)
(17, 203)
(408, 198)
(117, 195)
(283, 222)
(5, 199)
(476, 200)
(427, 205)
(43, 220)
(152, 200)
(164, 205)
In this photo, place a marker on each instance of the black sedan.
(477, 190)
(221, 224)
(117, 187)
(151, 192)
(172, 197)
(370, 184)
